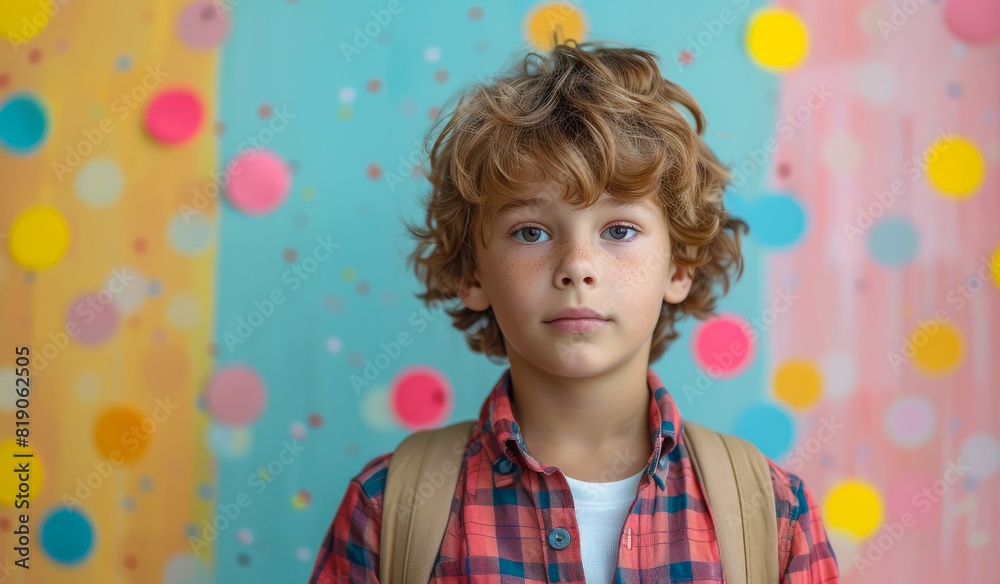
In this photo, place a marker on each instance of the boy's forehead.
(543, 200)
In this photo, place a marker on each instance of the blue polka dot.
(67, 536)
(154, 288)
(893, 242)
(768, 427)
(777, 220)
(124, 63)
(23, 124)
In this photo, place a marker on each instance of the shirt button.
(559, 538)
(505, 466)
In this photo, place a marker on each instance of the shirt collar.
(508, 454)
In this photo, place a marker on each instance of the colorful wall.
(200, 210)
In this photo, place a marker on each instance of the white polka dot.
(303, 554)
(127, 287)
(347, 95)
(8, 395)
(432, 54)
(375, 410)
(876, 82)
(182, 311)
(189, 235)
(99, 182)
(334, 345)
(839, 374)
(841, 151)
(981, 453)
(87, 387)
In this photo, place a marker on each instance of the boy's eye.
(532, 233)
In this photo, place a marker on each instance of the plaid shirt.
(514, 521)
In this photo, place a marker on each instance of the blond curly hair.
(593, 117)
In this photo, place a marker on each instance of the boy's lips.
(577, 313)
(577, 320)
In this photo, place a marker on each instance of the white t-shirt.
(601, 509)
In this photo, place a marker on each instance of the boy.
(577, 216)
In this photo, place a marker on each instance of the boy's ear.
(474, 297)
(679, 284)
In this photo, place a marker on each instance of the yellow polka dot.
(308, 193)
(38, 238)
(855, 506)
(120, 436)
(996, 267)
(798, 383)
(936, 350)
(777, 39)
(955, 166)
(10, 482)
(21, 20)
(552, 23)
(349, 274)
(345, 112)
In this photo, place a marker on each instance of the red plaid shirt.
(510, 506)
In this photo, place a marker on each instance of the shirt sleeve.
(811, 557)
(350, 550)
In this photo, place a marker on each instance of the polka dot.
(236, 395)
(174, 116)
(23, 124)
(183, 311)
(334, 345)
(937, 349)
(995, 267)
(419, 396)
(303, 554)
(243, 559)
(776, 39)
(315, 420)
(38, 237)
(298, 430)
(910, 421)
(244, 536)
(94, 317)
(373, 171)
(202, 25)
(21, 20)
(185, 568)
(841, 151)
(441, 76)
(769, 428)
(975, 22)
(119, 432)
(67, 535)
(127, 286)
(154, 288)
(345, 113)
(349, 274)
(840, 372)
(189, 235)
(374, 85)
(146, 483)
(475, 13)
(982, 453)
(855, 506)
(10, 483)
(99, 182)
(124, 63)
(553, 22)
(955, 167)
(128, 503)
(798, 383)
(259, 183)
(777, 220)
(432, 54)
(301, 500)
(8, 399)
(893, 242)
(721, 347)
(88, 387)
(347, 95)
(374, 411)
(229, 443)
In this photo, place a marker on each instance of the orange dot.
(119, 434)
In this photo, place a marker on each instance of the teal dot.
(23, 123)
(769, 428)
(67, 536)
(893, 242)
(777, 220)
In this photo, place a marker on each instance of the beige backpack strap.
(737, 482)
(419, 485)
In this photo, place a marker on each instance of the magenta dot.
(202, 24)
(721, 346)
(93, 317)
(976, 22)
(420, 397)
(259, 181)
(174, 116)
(236, 395)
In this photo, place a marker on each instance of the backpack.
(423, 473)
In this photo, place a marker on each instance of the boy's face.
(543, 259)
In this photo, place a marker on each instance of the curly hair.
(599, 118)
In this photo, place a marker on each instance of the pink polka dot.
(93, 317)
(236, 395)
(721, 346)
(420, 397)
(174, 116)
(259, 181)
(202, 24)
(976, 22)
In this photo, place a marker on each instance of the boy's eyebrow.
(536, 202)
